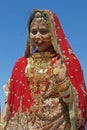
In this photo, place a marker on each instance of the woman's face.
(40, 35)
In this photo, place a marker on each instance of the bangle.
(60, 83)
(63, 86)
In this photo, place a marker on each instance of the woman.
(46, 89)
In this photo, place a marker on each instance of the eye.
(43, 31)
(34, 31)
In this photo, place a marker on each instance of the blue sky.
(13, 30)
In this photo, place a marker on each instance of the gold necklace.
(42, 55)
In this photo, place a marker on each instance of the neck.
(50, 49)
(47, 54)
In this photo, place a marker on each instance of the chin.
(41, 50)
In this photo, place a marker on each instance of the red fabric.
(19, 88)
(73, 67)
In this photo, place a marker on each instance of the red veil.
(73, 67)
(19, 87)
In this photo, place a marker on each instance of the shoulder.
(21, 62)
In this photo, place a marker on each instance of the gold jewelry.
(63, 86)
(56, 71)
(43, 55)
(38, 19)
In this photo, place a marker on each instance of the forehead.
(38, 23)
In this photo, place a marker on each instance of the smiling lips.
(39, 43)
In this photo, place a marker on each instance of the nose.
(38, 37)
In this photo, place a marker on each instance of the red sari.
(19, 87)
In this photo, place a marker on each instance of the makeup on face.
(40, 35)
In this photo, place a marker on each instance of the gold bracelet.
(59, 83)
(63, 86)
